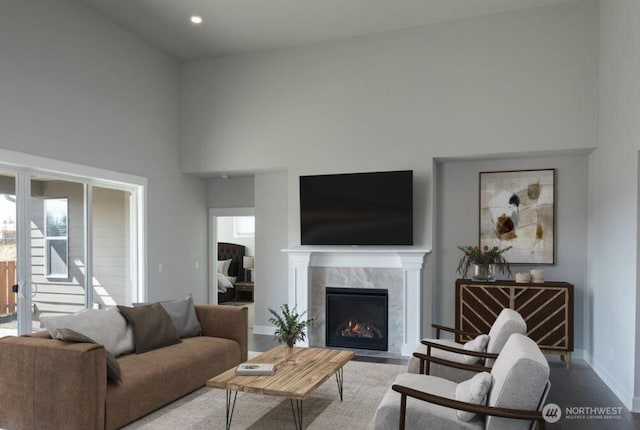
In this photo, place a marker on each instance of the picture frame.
(517, 209)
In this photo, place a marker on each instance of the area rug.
(364, 386)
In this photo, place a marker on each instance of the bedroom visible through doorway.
(233, 266)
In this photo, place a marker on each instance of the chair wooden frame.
(521, 414)
(438, 328)
(426, 359)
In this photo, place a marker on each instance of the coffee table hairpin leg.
(296, 405)
(340, 381)
(296, 408)
(231, 405)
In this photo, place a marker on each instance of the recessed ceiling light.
(195, 19)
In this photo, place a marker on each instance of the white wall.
(77, 88)
(612, 281)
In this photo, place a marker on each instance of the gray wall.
(271, 275)
(456, 212)
(78, 88)
(235, 192)
(517, 82)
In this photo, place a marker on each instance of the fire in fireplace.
(357, 318)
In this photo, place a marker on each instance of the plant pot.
(484, 272)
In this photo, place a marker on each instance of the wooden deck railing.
(7, 280)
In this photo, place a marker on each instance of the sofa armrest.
(50, 384)
(229, 322)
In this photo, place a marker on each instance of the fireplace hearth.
(357, 318)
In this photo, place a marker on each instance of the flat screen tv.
(357, 209)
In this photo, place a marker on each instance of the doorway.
(232, 265)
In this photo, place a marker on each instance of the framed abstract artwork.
(517, 209)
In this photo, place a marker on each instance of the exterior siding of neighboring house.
(110, 249)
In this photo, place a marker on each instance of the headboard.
(234, 252)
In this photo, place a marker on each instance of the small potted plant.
(484, 262)
(289, 327)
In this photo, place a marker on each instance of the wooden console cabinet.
(546, 307)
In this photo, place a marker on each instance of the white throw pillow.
(223, 266)
(473, 390)
(223, 283)
(106, 327)
(479, 344)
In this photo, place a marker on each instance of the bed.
(235, 271)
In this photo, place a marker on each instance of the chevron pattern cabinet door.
(547, 309)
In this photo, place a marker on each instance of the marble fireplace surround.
(311, 267)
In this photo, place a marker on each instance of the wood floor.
(579, 387)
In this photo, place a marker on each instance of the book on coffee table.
(254, 369)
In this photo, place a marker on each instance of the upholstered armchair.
(458, 362)
(510, 397)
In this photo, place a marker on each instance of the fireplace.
(357, 318)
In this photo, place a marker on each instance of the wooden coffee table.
(297, 381)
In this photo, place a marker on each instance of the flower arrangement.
(482, 257)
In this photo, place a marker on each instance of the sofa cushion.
(113, 368)
(152, 327)
(106, 327)
(183, 314)
(158, 377)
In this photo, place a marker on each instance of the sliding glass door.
(8, 255)
(66, 243)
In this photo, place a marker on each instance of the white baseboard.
(627, 399)
(264, 329)
(636, 405)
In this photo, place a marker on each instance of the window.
(56, 216)
(244, 226)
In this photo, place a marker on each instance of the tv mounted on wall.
(357, 209)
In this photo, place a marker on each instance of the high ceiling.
(240, 26)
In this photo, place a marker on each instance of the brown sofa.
(51, 384)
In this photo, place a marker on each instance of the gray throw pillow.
(106, 327)
(113, 368)
(152, 327)
(183, 314)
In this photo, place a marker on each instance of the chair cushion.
(473, 390)
(507, 323)
(520, 375)
(422, 415)
(446, 372)
(479, 344)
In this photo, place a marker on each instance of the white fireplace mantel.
(410, 260)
